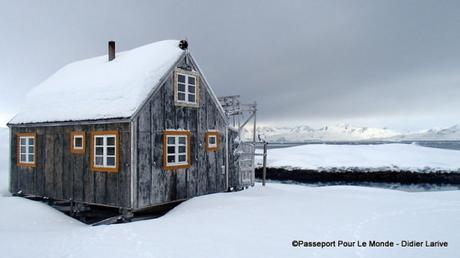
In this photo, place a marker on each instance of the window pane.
(181, 96)
(191, 98)
(111, 161)
(171, 140)
(182, 140)
(78, 142)
(23, 149)
(181, 87)
(181, 78)
(31, 149)
(181, 149)
(171, 159)
(191, 80)
(31, 141)
(99, 161)
(99, 150)
(171, 149)
(212, 140)
(111, 151)
(31, 158)
(23, 141)
(191, 89)
(99, 141)
(111, 141)
(182, 158)
(23, 158)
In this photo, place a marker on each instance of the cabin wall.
(62, 175)
(153, 185)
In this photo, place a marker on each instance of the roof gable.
(97, 89)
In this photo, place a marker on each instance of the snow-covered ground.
(4, 157)
(408, 157)
(258, 222)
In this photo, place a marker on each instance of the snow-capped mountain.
(341, 132)
(345, 132)
(446, 134)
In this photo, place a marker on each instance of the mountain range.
(346, 132)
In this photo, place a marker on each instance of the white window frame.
(105, 147)
(212, 145)
(176, 153)
(187, 86)
(212, 134)
(75, 147)
(27, 152)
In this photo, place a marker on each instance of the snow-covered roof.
(98, 89)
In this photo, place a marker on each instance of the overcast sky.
(382, 63)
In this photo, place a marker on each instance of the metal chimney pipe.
(111, 50)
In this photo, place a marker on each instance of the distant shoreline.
(360, 176)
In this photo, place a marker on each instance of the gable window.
(186, 89)
(77, 142)
(212, 140)
(176, 149)
(26, 153)
(104, 151)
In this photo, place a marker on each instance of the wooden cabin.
(130, 130)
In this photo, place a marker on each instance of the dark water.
(392, 186)
(451, 145)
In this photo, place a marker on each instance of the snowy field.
(259, 222)
(409, 157)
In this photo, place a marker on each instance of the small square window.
(77, 142)
(212, 140)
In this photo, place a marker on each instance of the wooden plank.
(144, 157)
(14, 178)
(40, 171)
(49, 163)
(58, 165)
(124, 176)
(67, 165)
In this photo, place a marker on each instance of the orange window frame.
(18, 150)
(117, 151)
(72, 142)
(212, 133)
(165, 146)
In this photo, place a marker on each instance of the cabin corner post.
(133, 169)
(10, 159)
(226, 157)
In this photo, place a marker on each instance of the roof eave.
(72, 122)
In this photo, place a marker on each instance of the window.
(77, 142)
(104, 151)
(186, 88)
(176, 149)
(212, 140)
(26, 153)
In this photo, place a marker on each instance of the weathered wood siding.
(154, 185)
(62, 175)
